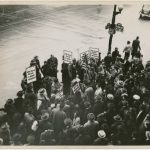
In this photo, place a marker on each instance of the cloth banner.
(67, 56)
(94, 52)
(31, 74)
(76, 88)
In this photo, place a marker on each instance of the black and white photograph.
(75, 74)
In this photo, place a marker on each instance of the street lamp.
(112, 27)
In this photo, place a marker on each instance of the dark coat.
(83, 140)
(101, 141)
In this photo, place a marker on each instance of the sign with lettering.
(67, 56)
(94, 53)
(76, 88)
(31, 74)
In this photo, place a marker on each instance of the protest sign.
(31, 74)
(67, 56)
(94, 53)
(76, 88)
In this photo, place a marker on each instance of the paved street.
(44, 30)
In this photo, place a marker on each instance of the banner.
(94, 53)
(76, 88)
(67, 56)
(31, 74)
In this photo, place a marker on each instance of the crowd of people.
(111, 106)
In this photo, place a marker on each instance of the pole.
(112, 24)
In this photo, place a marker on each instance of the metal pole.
(112, 23)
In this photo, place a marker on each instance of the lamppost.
(112, 28)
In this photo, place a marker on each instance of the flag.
(76, 88)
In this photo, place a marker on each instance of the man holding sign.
(34, 76)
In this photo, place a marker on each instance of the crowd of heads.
(110, 107)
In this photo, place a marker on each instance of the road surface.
(44, 30)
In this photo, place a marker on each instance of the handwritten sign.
(31, 74)
(94, 53)
(76, 88)
(67, 56)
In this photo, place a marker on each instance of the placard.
(94, 53)
(31, 74)
(67, 56)
(76, 88)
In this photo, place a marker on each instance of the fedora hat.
(101, 134)
(45, 116)
(136, 97)
(110, 96)
(42, 90)
(90, 116)
(117, 118)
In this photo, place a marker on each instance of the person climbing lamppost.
(112, 27)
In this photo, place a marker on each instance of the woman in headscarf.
(43, 101)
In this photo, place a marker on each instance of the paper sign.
(67, 56)
(31, 74)
(94, 53)
(76, 88)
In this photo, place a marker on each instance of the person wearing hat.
(110, 97)
(56, 86)
(108, 60)
(65, 78)
(9, 108)
(82, 138)
(101, 118)
(47, 82)
(30, 140)
(30, 101)
(135, 47)
(76, 120)
(47, 138)
(91, 126)
(115, 54)
(18, 102)
(117, 121)
(136, 102)
(87, 109)
(127, 51)
(36, 59)
(89, 92)
(44, 123)
(38, 82)
(68, 134)
(110, 112)
(44, 69)
(16, 139)
(43, 101)
(101, 140)
(1, 141)
(58, 118)
(5, 132)
(99, 106)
